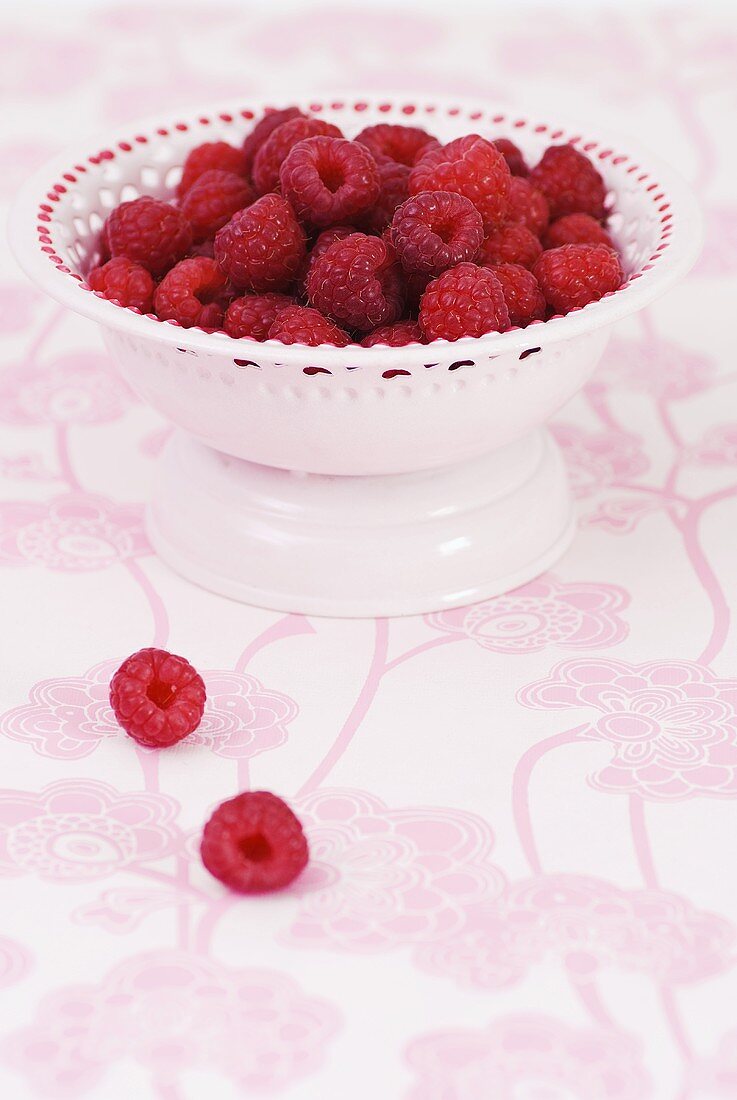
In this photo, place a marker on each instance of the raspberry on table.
(189, 294)
(254, 843)
(511, 244)
(357, 282)
(122, 281)
(394, 181)
(570, 182)
(470, 166)
(211, 155)
(212, 200)
(576, 229)
(262, 247)
(464, 301)
(274, 150)
(528, 205)
(403, 144)
(573, 275)
(513, 156)
(398, 335)
(157, 697)
(329, 180)
(265, 126)
(253, 315)
(303, 325)
(436, 230)
(525, 301)
(149, 232)
(321, 244)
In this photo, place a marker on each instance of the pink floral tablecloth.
(522, 814)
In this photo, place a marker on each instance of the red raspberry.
(330, 180)
(394, 179)
(149, 232)
(357, 283)
(436, 230)
(253, 843)
(206, 157)
(254, 314)
(265, 126)
(527, 205)
(576, 229)
(157, 698)
(302, 325)
(465, 301)
(415, 286)
(512, 244)
(403, 144)
(471, 166)
(575, 274)
(212, 200)
(570, 182)
(321, 245)
(189, 294)
(525, 300)
(274, 150)
(124, 282)
(397, 335)
(204, 248)
(261, 247)
(513, 156)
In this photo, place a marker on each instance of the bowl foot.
(398, 544)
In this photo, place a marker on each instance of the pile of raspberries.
(306, 237)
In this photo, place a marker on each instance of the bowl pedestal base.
(396, 544)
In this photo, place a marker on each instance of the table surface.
(522, 814)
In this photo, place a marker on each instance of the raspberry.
(254, 314)
(513, 156)
(273, 152)
(436, 230)
(321, 245)
(470, 166)
(403, 144)
(330, 180)
(204, 248)
(527, 205)
(157, 698)
(576, 229)
(149, 232)
(302, 325)
(253, 843)
(464, 301)
(415, 286)
(575, 274)
(397, 335)
(189, 294)
(512, 244)
(212, 200)
(124, 282)
(522, 294)
(570, 182)
(394, 180)
(206, 157)
(261, 247)
(357, 283)
(265, 126)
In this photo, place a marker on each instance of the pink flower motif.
(67, 61)
(153, 444)
(122, 910)
(596, 460)
(620, 515)
(81, 829)
(719, 257)
(20, 158)
(25, 467)
(655, 366)
(18, 305)
(66, 718)
(527, 1056)
(589, 923)
(15, 961)
(382, 878)
(81, 388)
(353, 34)
(547, 612)
(170, 1012)
(718, 447)
(74, 533)
(672, 724)
(715, 1078)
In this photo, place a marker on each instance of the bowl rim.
(675, 258)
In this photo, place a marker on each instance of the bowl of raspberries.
(359, 312)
